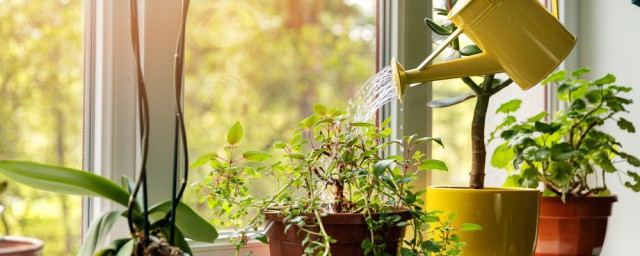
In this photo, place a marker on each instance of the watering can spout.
(520, 38)
(476, 65)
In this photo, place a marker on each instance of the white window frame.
(110, 95)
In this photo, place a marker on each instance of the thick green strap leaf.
(127, 249)
(180, 240)
(114, 247)
(63, 180)
(188, 221)
(97, 233)
(442, 103)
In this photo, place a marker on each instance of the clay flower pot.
(349, 229)
(577, 227)
(20, 246)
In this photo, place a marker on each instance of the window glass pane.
(452, 124)
(265, 63)
(41, 68)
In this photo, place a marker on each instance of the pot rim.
(484, 190)
(589, 199)
(342, 218)
(27, 244)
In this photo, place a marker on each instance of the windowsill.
(222, 247)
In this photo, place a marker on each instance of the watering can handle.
(437, 52)
(458, 31)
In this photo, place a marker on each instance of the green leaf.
(98, 232)
(235, 134)
(602, 159)
(381, 166)
(437, 28)
(442, 103)
(128, 184)
(261, 237)
(256, 156)
(513, 181)
(310, 121)
(563, 152)
(188, 221)
(632, 160)
(502, 156)
(594, 96)
(547, 128)
(537, 117)
(624, 124)
(471, 227)
(510, 106)
(320, 109)
(580, 71)
(559, 172)
(63, 180)
(179, 239)
(607, 79)
(433, 164)
(427, 139)
(470, 50)
(203, 159)
(636, 179)
(578, 105)
(126, 249)
(452, 216)
(114, 247)
(555, 77)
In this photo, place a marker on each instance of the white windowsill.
(222, 247)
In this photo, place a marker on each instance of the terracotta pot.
(20, 246)
(577, 227)
(508, 216)
(348, 229)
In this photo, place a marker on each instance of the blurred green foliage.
(41, 67)
(265, 63)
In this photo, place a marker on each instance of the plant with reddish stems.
(330, 165)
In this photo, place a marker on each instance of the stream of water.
(375, 93)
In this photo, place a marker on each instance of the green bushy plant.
(569, 153)
(330, 165)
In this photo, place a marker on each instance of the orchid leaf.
(63, 180)
(192, 225)
(98, 232)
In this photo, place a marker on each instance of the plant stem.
(143, 111)
(479, 154)
(326, 241)
(180, 127)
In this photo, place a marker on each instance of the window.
(41, 104)
(265, 64)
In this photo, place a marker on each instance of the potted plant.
(161, 229)
(16, 245)
(509, 216)
(572, 157)
(335, 193)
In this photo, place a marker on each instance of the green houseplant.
(336, 194)
(161, 229)
(477, 203)
(571, 156)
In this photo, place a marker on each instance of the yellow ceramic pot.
(509, 217)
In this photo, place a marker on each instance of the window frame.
(110, 127)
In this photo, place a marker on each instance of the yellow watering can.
(517, 37)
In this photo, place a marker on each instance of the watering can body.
(518, 37)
